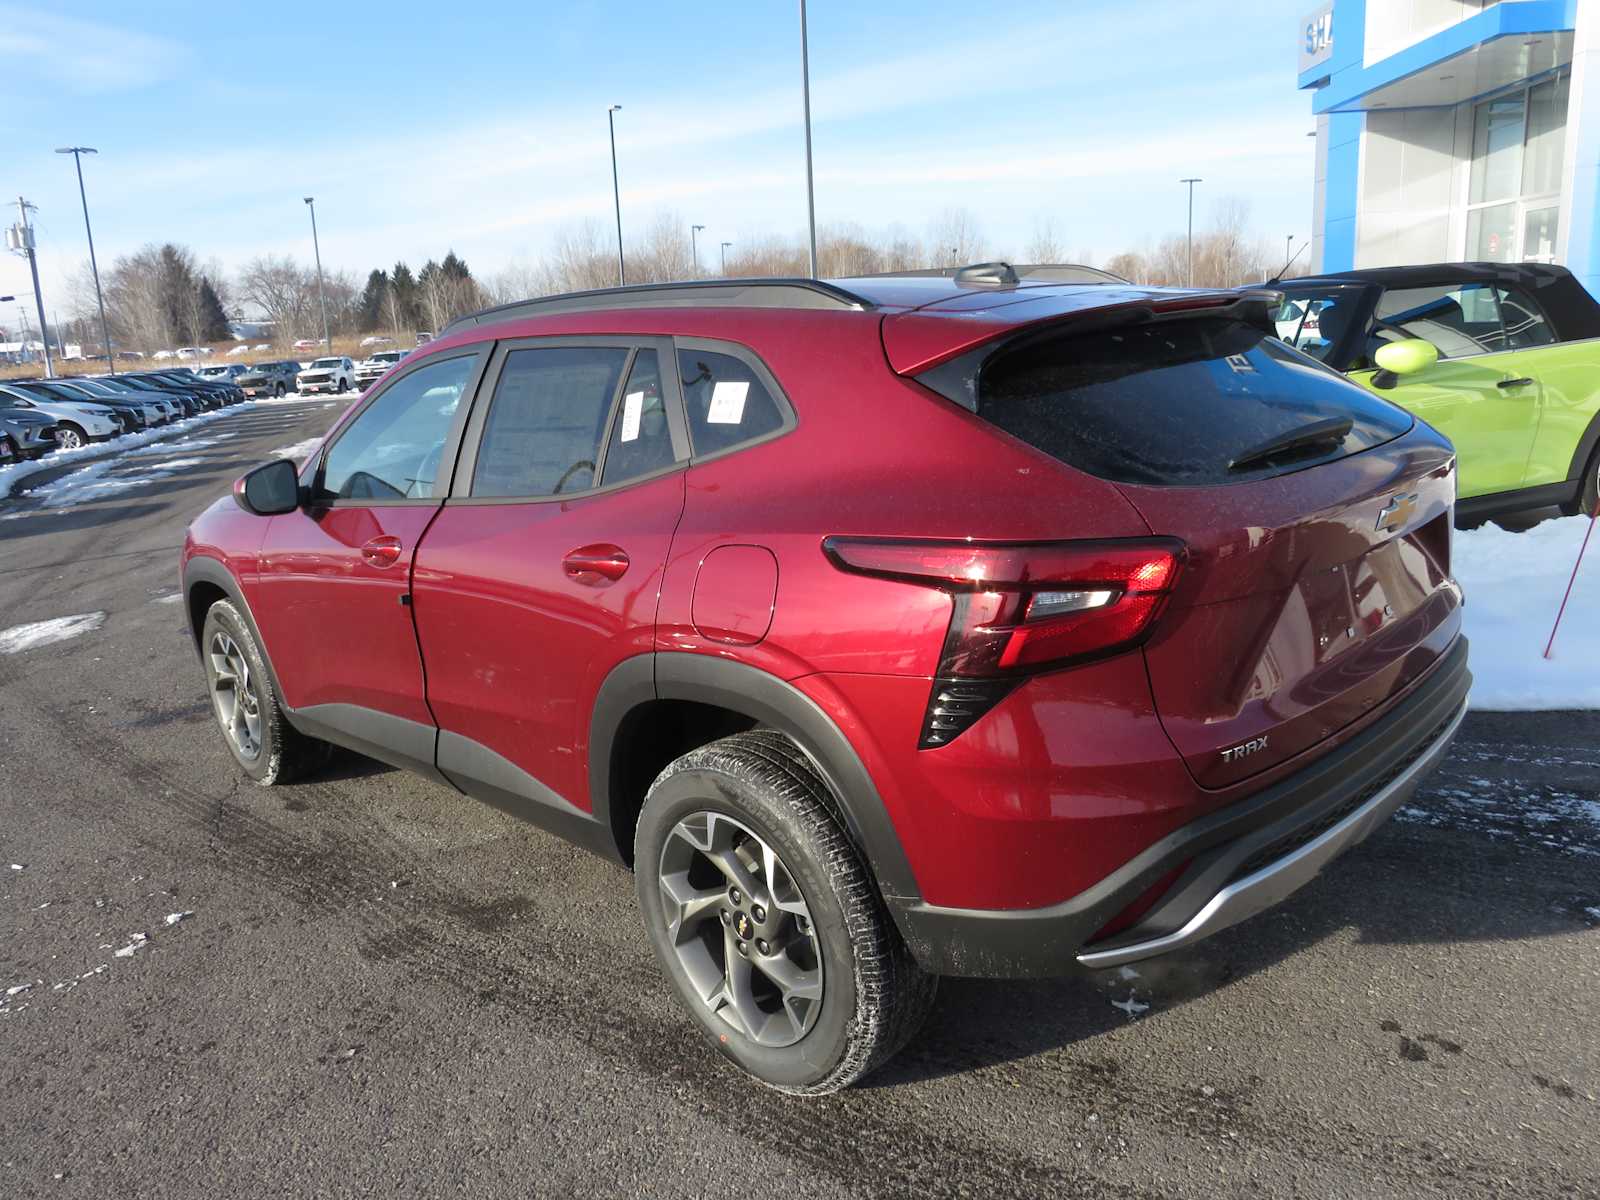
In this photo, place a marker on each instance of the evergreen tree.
(370, 307)
(402, 298)
(213, 319)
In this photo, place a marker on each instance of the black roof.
(1533, 275)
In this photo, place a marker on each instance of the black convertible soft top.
(1566, 303)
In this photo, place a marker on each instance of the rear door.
(335, 576)
(1477, 394)
(1316, 520)
(543, 569)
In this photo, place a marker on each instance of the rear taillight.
(1020, 607)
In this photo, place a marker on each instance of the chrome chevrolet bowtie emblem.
(1397, 512)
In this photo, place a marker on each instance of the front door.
(1475, 394)
(543, 569)
(333, 598)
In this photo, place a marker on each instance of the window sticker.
(727, 402)
(632, 409)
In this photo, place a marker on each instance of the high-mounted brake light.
(1020, 607)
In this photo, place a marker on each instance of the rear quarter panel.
(1568, 374)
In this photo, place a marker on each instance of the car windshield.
(327, 362)
(1314, 318)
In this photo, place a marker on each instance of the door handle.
(381, 551)
(1510, 383)
(595, 565)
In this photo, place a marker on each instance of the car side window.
(1459, 319)
(641, 441)
(1524, 320)
(726, 402)
(547, 420)
(393, 448)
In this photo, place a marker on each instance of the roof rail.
(1002, 274)
(703, 293)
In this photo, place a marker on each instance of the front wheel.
(767, 922)
(70, 437)
(246, 705)
(277, 392)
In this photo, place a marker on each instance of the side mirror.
(270, 489)
(1405, 357)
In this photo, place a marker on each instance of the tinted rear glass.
(1176, 402)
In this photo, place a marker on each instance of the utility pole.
(616, 191)
(77, 153)
(725, 246)
(1191, 183)
(805, 92)
(20, 238)
(694, 247)
(316, 248)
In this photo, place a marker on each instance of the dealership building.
(1455, 130)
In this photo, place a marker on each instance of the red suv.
(887, 628)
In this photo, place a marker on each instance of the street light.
(725, 246)
(1191, 183)
(77, 153)
(316, 248)
(616, 192)
(805, 92)
(694, 247)
(1288, 243)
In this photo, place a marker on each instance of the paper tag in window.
(727, 402)
(632, 407)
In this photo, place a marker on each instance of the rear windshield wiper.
(1329, 433)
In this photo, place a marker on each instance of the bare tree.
(954, 239)
(284, 291)
(664, 255)
(582, 258)
(1043, 246)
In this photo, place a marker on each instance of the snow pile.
(89, 483)
(298, 451)
(1513, 584)
(44, 633)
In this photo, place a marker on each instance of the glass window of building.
(1518, 142)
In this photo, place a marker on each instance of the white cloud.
(85, 56)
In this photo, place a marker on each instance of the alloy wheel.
(68, 439)
(741, 929)
(234, 695)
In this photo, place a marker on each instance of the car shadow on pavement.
(1408, 884)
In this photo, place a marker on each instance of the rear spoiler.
(911, 339)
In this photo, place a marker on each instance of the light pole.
(316, 248)
(694, 247)
(77, 153)
(616, 191)
(725, 246)
(1191, 183)
(20, 238)
(805, 93)
(1288, 244)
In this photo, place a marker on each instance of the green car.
(1503, 358)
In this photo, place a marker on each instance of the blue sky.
(483, 128)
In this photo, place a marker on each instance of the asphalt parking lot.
(365, 985)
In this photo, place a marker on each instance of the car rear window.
(1177, 402)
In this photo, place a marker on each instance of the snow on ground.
(298, 451)
(44, 633)
(94, 482)
(1513, 584)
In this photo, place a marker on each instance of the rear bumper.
(1224, 867)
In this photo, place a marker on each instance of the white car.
(221, 372)
(371, 369)
(76, 424)
(241, 348)
(376, 339)
(326, 375)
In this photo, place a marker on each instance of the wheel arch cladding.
(708, 698)
(205, 581)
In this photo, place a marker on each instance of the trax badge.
(1397, 512)
(1245, 750)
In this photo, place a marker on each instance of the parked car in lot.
(215, 392)
(370, 369)
(376, 339)
(174, 405)
(238, 350)
(136, 408)
(77, 422)
(24, 434)
(1500, 357)
(1035, 627)
(273, 379)
(306, 344)
(327, 375)
(221, 372)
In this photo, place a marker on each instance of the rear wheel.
(246, 705)
(1588, 498)
(70, 437)
(767, 922)
(277, 391)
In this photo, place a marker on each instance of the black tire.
(282, 754)
(1588, 497)
(873, 996)
(71, 430)
(277, 391)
